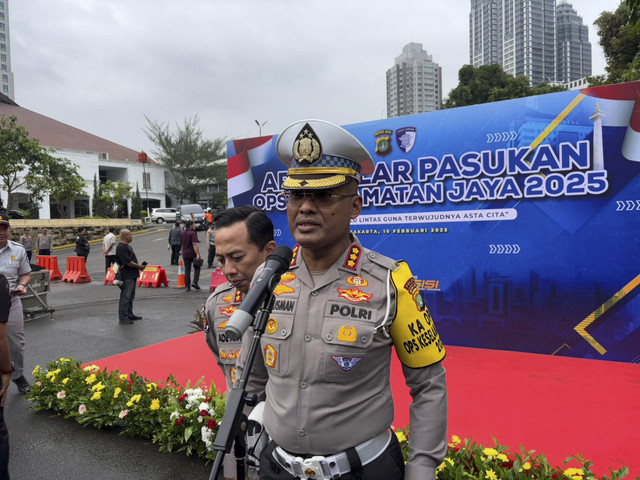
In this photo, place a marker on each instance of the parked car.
(185, 211)
(161, 215)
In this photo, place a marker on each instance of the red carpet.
(555, 405)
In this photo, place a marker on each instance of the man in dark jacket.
(175, 243)
(128, 262)
(82, 244)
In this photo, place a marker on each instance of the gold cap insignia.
(307, 149)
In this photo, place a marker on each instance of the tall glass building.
(524, 37)
(6, 76)
(573, 46)
(414, 83)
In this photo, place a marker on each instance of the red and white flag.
(250, 152)
(620, 105)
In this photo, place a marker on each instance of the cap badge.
(307, 149)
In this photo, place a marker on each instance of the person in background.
(6, 369)
(245, 239)
(175, 243)
(130, 272)
(44, 242)
(208, 219)
(27, 242)
(191, 255)
(211, 243)
(82, 244)
(15, 266)
(109, 248)
(323, 368)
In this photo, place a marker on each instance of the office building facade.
(6, 76)
(525, 36)
(414, 83)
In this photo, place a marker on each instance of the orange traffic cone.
(181, 283)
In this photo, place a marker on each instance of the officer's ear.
(269, 247)
(356, 207)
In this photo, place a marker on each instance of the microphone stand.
(237, 398)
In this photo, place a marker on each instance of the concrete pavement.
(85, 326)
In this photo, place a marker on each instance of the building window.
(81, 207)
(5, 77)
(146, 181)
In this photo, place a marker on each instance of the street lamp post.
(260, 125)
(142, 158)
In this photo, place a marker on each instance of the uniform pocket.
(275, 344)
(345, 346)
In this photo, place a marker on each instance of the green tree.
(65, 184)
(136, 204)
(113, 198)
(620, 41)
(189, 157)
(490, 83)
(23, 162)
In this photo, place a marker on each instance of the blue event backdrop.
(520, 219)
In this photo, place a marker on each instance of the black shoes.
(135, 317)
(23, 385)
(126, 322)
(196, 286)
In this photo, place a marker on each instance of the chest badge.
(228, 298)
(347, 333)
(282, 289)
(223, 325)
(270, 356)
(357, 281)
(227, 311)
(354, 295)
(346, 364)
(272, 326)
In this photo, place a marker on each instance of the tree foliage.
(23, 162)
(620, 41)
(136, 204)
(188, 156)
(110, 199)
(490, 83)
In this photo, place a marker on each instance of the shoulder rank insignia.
(344, 363)
(238, 297)
(294, 258)
(353, 257)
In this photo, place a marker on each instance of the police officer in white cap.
(340, 309)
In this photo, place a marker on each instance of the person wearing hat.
(324, 364)
(44, 242)
(15, 266)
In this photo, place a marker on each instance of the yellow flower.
(117, 392)
(155, 404)
(91, 368)
(134, 399)
(574, 472)
(90, 379)
(455, 440)
(401, 437)
(65, 380)
(53, 378)
(491, 475)
(490, 452)
(440, 467)
(151, 386)
(96, 395)
(526, 466)
(124, 376)
(36, 370)
(449, 461)
(98, 386)
(502, 457)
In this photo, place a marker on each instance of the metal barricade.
(34, 302)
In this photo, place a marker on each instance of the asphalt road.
(85, 326)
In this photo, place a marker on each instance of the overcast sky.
(102, 65)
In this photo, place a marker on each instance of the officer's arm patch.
(414, 334)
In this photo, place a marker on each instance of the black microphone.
(277, 263)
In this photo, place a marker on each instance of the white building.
(414, 83)
(93, 155)
(6, 75)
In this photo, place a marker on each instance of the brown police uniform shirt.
(220, 305)
(325, 370)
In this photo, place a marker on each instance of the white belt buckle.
(313, 468)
